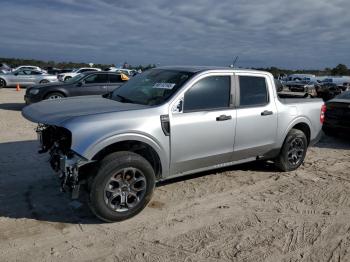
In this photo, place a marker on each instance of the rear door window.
(114, 78)
(253, 91)
(96, 79)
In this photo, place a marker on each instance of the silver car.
(169, 122)
(25, 77)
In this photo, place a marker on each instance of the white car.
(29, 67)
(66, 76)
(128, 72)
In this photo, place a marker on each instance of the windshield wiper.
(126, 100)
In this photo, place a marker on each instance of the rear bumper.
(337, 127)
(317, 138)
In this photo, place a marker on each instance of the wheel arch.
(302, 124)
(4, 81)
(49, 92)
(95, 150)
(139, 147)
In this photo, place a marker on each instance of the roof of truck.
(198, 69)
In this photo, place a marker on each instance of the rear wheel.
(2, 83)
(53, 96)
(122, 188)
(293, 151)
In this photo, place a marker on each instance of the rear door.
(93, 84)
(202, 125)
(256, 129)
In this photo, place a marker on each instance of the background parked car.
(128, 72)
(302, 86)
(25, 77)
(56, 71)
(29, 67)
(327, 90)
(279, 85)
(4, 68)
(75, 72)
(346, 87)
(337, 116)
(89, 83)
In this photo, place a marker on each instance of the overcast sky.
(284, 33)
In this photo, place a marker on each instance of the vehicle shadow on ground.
(30, 189)
(339, 141)
(12, 106)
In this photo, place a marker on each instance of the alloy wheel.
(125, 189)
(296, 151)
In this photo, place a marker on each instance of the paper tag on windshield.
(164, 85)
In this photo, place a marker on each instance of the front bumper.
(29, 99)
(64, 162)
(67, 169)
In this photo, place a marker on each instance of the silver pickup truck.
(169, 122)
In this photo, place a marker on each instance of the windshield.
(152, 87)
(74, 79)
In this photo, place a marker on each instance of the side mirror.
(16, 74)
(80, 83)
(178, 107)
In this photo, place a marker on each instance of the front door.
(23, 77)
(202, 133)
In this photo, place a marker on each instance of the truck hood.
(54, 112)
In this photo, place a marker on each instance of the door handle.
(223, 118)
(266, 113)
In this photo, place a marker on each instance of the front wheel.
(122, 188)
(44, 81)
(293, 151)
(53, 96)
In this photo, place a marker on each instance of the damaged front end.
(64, 161)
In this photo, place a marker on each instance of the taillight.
(322, 115)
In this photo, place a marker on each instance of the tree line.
(14, 62)
(339, 70)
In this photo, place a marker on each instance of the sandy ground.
(249, 212)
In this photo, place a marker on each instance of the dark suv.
(89, 83)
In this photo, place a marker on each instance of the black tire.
(2, 83)
(111, 167)
(67, 78)
(44, 81)
(54, 95)
(293, 151)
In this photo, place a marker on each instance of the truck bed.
(299, 100)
